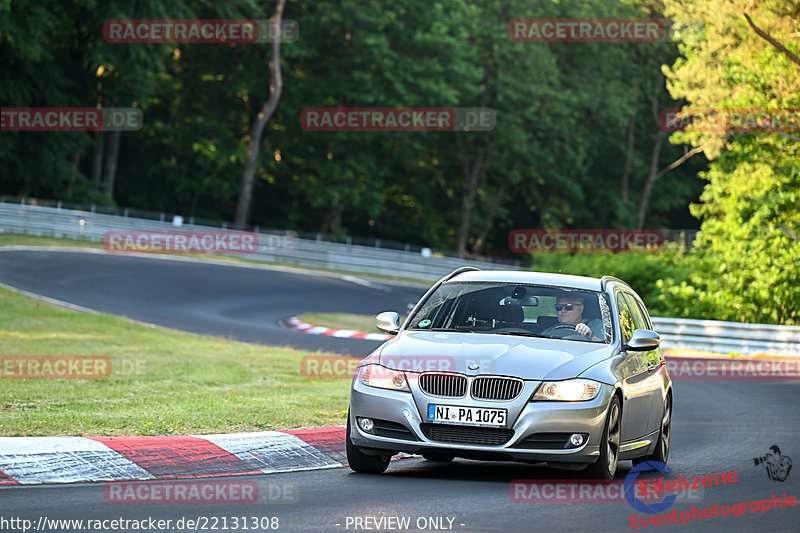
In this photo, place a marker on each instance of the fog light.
(576, 439)
(365, 424)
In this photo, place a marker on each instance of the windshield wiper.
(519, 333)
(441, 329)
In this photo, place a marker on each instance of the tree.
(257, 128)
(749, 247)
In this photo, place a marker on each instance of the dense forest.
(578, 140)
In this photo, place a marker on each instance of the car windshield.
(516, 309)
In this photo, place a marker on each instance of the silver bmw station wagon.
(515, 366)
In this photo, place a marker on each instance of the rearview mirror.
(388, 322)
(643, 340)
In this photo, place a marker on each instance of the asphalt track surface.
(227, 300)
(718, 426)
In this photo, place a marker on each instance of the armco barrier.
(726, 337)
(275, 248)
(707, 335)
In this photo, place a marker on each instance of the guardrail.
(276, 247)
(726, 337)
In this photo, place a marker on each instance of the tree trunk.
(97, 158)
(111, 164)
(332, 220)
(653, 174)
(257, 128)
(495, 203)
(624, 187)
(76, 163)
(652, 177)
(471, 178)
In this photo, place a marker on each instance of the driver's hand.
(583, 329)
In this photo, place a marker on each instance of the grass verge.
(162, 381)
(15, 239)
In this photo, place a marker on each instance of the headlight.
(573, 390)
(384, 378)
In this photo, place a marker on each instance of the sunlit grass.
(162, 381)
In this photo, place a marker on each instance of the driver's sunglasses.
(568, 307)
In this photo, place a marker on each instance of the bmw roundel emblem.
(473, 366)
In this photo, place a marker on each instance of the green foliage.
(555, 156)
(646, 273)
(748, 266)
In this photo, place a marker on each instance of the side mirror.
(388, 322)
(643, 340)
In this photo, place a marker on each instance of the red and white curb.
(34, 460)
(304, 327)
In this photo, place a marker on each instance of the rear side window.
(645, 314)
(625, 318)
(639, 321)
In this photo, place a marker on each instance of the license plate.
(467, 416)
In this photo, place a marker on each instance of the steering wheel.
(552, 331)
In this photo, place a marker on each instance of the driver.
(570, 311)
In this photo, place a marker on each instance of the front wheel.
(361, 462)
(606, 465)
(661, 453)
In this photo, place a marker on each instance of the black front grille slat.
(445, 385)
(466, 434)
(496, 388)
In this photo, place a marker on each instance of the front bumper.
(525, 420)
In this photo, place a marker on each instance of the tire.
(361, 462)
(437, 458)
(661, 453)
(606, 466)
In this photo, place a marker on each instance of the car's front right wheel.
(361, 462)
(606, 465)
(661, 453)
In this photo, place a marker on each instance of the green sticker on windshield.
(424, 323)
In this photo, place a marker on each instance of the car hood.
(524, 357)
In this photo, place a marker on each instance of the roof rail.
(606, 279)
(458, 271)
